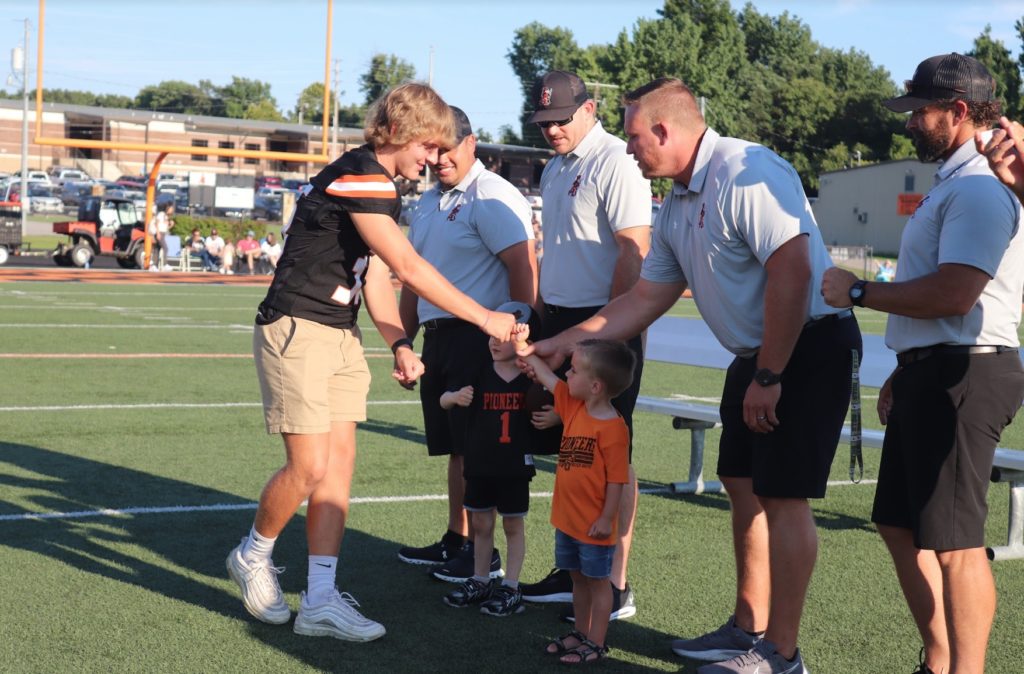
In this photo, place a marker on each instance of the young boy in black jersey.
(498, 468)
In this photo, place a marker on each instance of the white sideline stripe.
(159, 406)
(128, 326)
(221, 507)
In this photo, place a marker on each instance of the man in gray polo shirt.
(596, 225)
(954, 307)
(475, 228)
(738, 231)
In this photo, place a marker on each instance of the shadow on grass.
(398, 431)
(180, 554)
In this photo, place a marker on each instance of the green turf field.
(143, 472)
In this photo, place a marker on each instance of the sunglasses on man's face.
(561, 122)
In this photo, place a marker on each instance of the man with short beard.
(954, 307)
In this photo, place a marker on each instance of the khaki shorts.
(310, 375)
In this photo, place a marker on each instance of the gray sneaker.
(761, 659)
(726, 642)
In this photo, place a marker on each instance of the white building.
(869, 205)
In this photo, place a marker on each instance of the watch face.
(856, 292)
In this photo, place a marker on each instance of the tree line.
(760, 77)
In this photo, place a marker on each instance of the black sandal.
(559, 643)
(586, 653)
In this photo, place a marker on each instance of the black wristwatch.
(857, 293)
(399, 343)
(766, 377)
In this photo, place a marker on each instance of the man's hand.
(499, 325)
(1005, 154)
(408, 368)
(759, 407)
(835, 287)
(885, 400)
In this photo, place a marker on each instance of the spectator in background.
(195, 245)
(213, 249)
(249, 249)
(886, 271)
(271, 249)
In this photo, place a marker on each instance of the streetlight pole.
(24, 124)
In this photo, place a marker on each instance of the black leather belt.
(555, 309)
(914, 355)
(442, 323)
(838, 316)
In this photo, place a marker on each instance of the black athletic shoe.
(471, 591)
(460, 567)
(436, 553)
(504, 601)
(623, 606)
(555, 587)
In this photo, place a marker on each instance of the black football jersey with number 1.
(499, 432)
(321, 271)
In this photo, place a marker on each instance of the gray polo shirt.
(742, 204)
(461, 231)
(589, 194)
(970, 218)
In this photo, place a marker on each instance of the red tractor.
(105, 226)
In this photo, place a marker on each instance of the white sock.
(510, 583)
(257, 548)
(321, 577)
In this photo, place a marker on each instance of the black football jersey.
(321, 271)
(498, 431)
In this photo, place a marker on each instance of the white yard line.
(162, 406)
(221, 507)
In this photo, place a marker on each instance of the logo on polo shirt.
(455, 211)
(545, 97)
(575, 185)
(700, 221)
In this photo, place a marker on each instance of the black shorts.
(558, 319)
(453, 352)
(948, 413)
(509, 496)
(794, 460)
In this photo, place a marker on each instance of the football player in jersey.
(308, 351)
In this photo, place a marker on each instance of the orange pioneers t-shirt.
(593, 453)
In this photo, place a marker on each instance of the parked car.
(268, 181)
(72, 193)
(40, 176)
(136, 182)
(41, 199)
(293, 185)
(64, 175)
(266, 206)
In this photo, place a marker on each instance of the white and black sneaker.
(440, 552)
(462, 565)
(504, 601)
(556, 587)
(470, 591)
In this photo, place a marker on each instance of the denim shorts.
(593, 561)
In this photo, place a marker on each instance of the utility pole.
(596, 87)
(19, 62)
(336, 92)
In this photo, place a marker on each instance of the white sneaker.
(336, 617)
(261, 593)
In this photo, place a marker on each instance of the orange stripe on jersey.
(363, 187)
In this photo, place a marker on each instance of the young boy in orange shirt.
(593, 467)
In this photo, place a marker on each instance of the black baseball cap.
(462, 126)
(557, 96)
(945, 77)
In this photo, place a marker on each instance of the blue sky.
(119, 46)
